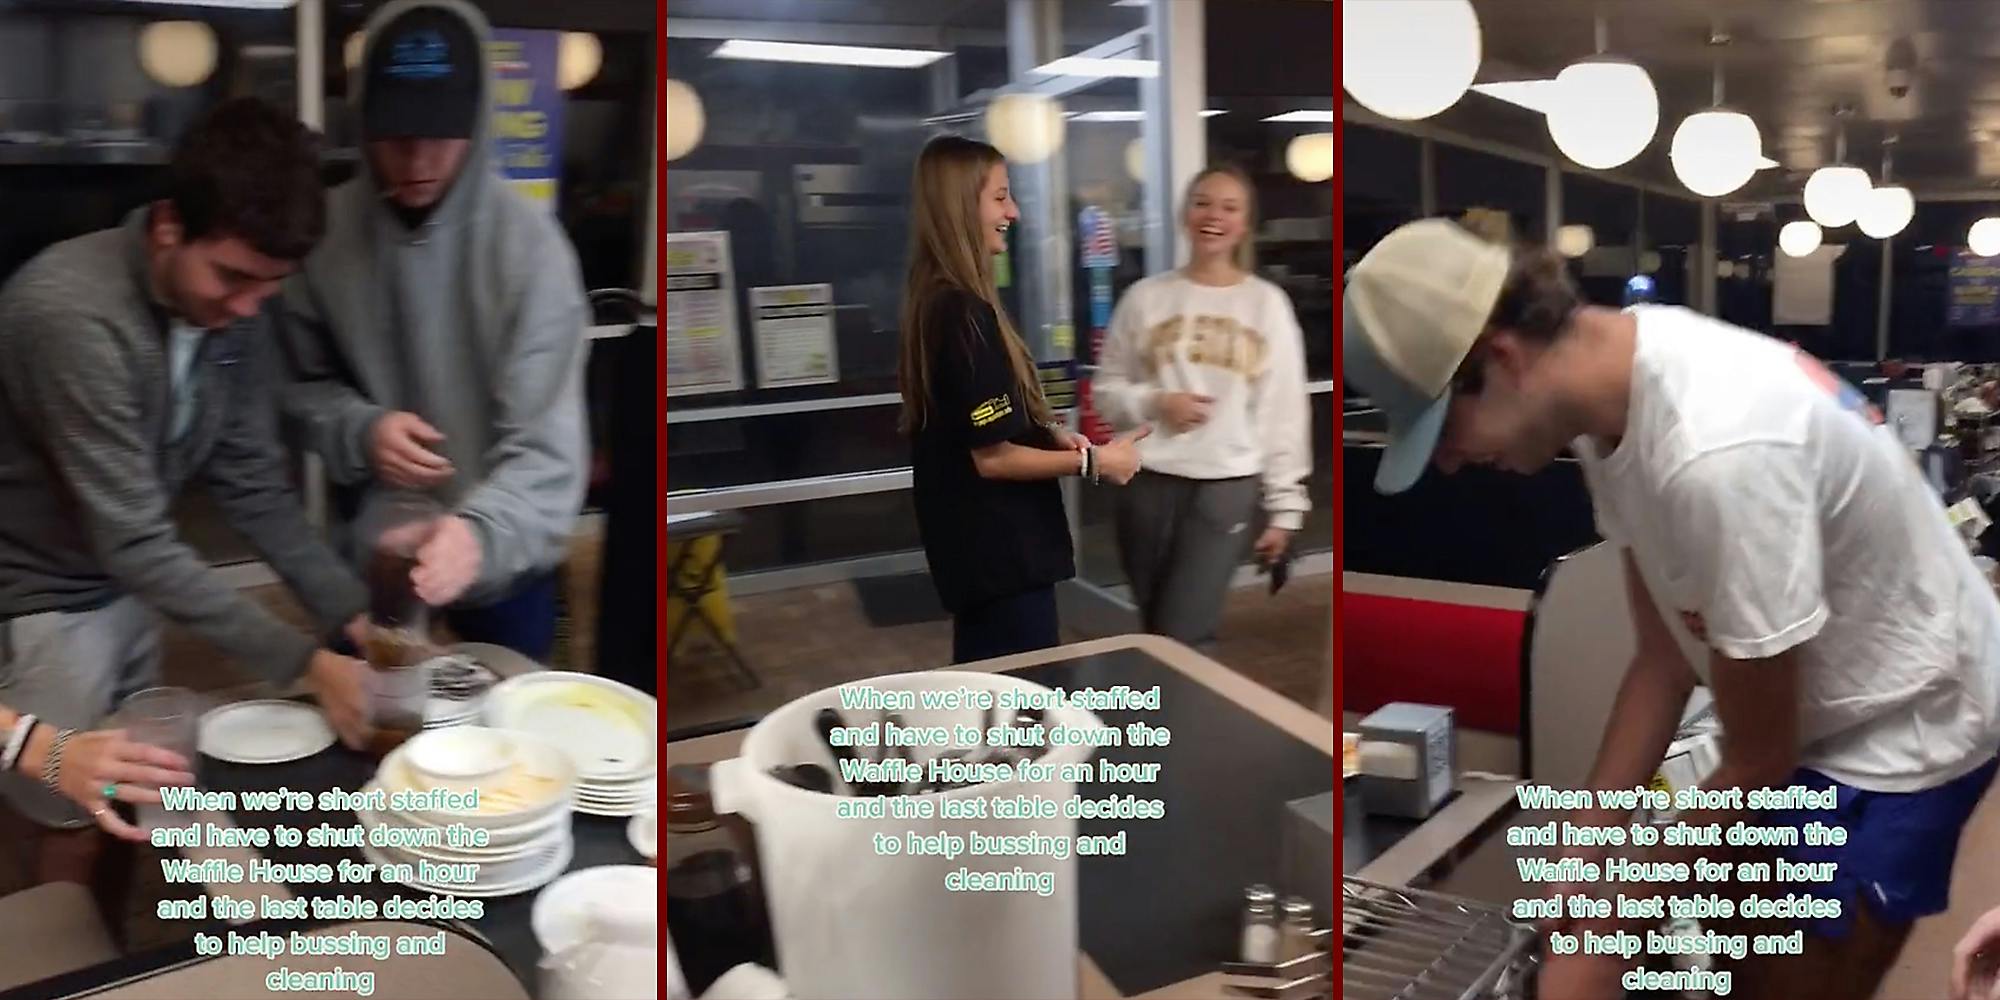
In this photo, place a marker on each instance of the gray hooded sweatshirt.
(475, 321)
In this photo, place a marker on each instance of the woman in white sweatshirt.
(1211, 356)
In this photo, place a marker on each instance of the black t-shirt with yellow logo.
(985, 539)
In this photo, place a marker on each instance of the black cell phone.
(1281, 570)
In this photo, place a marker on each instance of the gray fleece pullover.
(475, 321)
(87, 471)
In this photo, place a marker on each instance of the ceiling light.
(684, 118)
(828, 55)
(1310, 157)
(1407, 61)
(579, 55)
(1835, 195)
(1575, 241)
(1604, 112)
(1314, 117)
(1534, 95)
(1799, 239)
(1886, 210)
(177, 53)
(1984, 238)
(1715, 151)
(1025, 128)
(1094, 67)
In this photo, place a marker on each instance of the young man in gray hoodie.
(132, 361)
(438, 336)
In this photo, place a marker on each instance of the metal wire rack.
(1411, 944)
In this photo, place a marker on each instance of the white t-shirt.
(1239, 344)
(1767, 508)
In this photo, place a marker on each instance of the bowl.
(458, 758)
(541, 780)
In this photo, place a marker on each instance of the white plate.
(643, 833)
(541, 781)
(492, 870)
(500, 844)
(498, 837)
(461, 757)
(502, 661)
(562, 912)
(612, 811)
(556, 865)
(264, 732)
(607, 727)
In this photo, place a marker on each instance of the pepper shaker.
(1260, 926)
(1297, 933)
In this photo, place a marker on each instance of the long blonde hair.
(948, 253)
(1246, 248)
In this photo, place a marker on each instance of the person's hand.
(104, 758)
(340, 685)
(1975, 962)
(1183, 411)
(1069, 440)
(1118, 461)
(448, 563)
(1271, 545)
(401, 446)
(356, 631)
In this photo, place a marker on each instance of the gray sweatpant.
(71, 669)
(1180, 541)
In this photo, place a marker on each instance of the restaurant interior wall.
(820, 472)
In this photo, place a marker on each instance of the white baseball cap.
(1413, 308)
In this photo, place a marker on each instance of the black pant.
(1005, 626)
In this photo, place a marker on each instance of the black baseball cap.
(425, 74)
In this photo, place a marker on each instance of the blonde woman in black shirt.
(986, 452)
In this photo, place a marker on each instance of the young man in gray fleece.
(438, 336)
(133, 361)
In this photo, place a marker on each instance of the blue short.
(1899, 851)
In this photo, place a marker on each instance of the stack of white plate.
(525, 791)
(607, 728)
(459, 686)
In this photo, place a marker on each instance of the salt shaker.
(1260, 926)
(1298, 929)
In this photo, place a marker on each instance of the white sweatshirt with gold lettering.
(1239, 345)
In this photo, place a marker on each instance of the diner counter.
(1158, 922)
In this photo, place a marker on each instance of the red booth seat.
(1436, 652)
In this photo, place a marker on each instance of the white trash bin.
(852, 924)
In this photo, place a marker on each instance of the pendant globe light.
(1835, 194)
(1984, 239)
(1799, 239)
(1603, 111)
(1716, 151)
(1408, 60)
(1888, 208)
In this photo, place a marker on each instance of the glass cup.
(392, 531)
(164, 717)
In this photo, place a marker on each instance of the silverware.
(1030, 718)
(825, 721)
